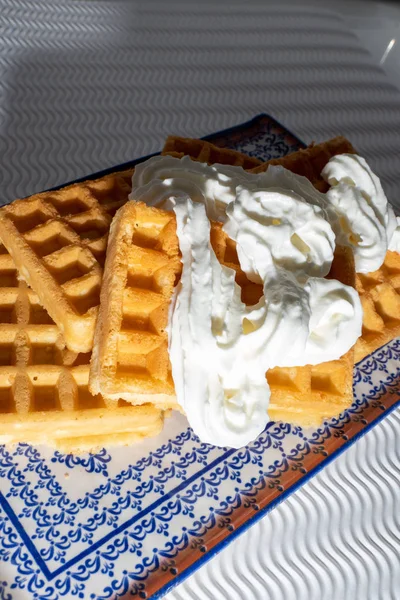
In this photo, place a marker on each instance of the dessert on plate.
(204, 281)
(44, 395)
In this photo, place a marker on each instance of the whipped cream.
(366, 219)
(335, 321)
(220, 349)
(223, 392)
(276, 226)
(288, 245)
(277, 326)
(161, 177)
(395, 240)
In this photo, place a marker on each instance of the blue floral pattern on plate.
(118, 522)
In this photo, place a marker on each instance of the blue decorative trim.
(93, 463)
(4, 593)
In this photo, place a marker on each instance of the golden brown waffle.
(203, 151)
(130, 354)
(380, 296)
(58, 241)
(300, 395)
(44, 396)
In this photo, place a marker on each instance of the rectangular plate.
(133, 522)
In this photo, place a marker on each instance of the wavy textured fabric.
(336, 537)
(84, 85)
(89, 84)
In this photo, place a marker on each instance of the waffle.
(58, 241)
(380, 297)
(300, 395)
(130, 356)
(44, 396)
(206, 152)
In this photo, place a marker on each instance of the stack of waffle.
(84, 351)
(44, 386)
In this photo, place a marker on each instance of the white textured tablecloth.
(85, 85)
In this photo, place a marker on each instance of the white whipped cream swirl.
(366, 219)
(223, 391)
(276, 226)
(220, 349)
(288, 245)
